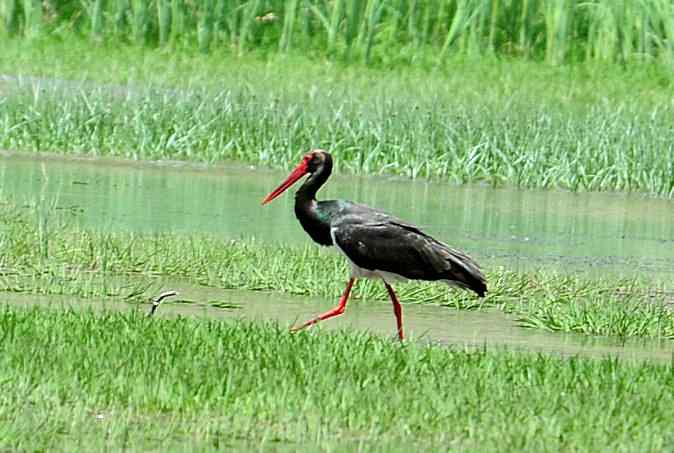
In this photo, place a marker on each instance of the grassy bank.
(77, 380)
(502, 123)
(41, 255)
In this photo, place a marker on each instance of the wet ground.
(488, 328)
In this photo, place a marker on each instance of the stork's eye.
(313, 161)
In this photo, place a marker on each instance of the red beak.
(292, 178)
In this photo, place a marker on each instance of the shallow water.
(598, 233)
(491, 329)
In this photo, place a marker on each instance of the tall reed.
(32, 17)
(164, 19)
(556, 31)
(9, 12)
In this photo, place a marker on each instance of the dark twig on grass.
(159, 300)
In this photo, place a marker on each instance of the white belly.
(388, 277)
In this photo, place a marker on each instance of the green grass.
(126, 266)
(492, 122)
(383, 32)
(82, 381)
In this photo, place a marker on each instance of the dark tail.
(451, 265)
(466, 272)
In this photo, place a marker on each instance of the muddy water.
(629, 235)
(423, 323)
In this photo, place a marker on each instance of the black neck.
(306, 208)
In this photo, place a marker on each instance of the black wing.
(382, 242)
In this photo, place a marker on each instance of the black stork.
(376, 244)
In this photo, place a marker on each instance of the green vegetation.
(83, 380)
(532, 93)
(68, 261)
(261, 81)
(563, 128)
(387, 32)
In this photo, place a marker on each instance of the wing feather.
(388, 244)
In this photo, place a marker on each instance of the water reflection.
(614, 233)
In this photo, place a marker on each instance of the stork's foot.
(295, 329)
(338, 310)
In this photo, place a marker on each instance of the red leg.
(397, 309)
(338, 310)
